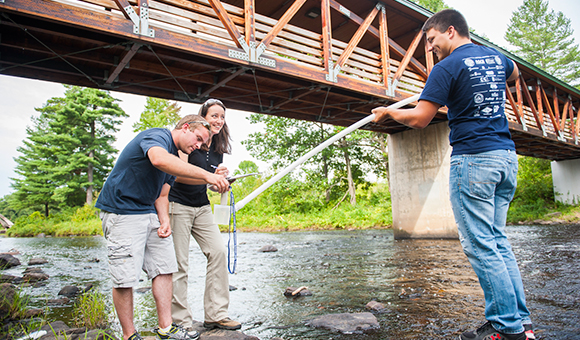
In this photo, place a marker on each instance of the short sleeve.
(438, 86)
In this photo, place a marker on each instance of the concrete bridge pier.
(419, 183)
(566, 180)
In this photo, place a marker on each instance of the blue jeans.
(481, 187)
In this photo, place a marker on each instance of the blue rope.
(232, 218)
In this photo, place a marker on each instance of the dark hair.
(445, 18)
(222, 139)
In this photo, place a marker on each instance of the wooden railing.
(199, 20)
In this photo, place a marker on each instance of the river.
(428, 286)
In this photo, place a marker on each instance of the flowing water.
(428, 286)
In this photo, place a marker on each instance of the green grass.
(90, 310)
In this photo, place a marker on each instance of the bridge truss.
(316, 60)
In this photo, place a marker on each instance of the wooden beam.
(430, 60)
(565, 114)
(554, 120)
(556, 103)
(577, 130)
(357, 37)
(250, 21)
(415, 64)
(384, 41)
(326, 35)
(539, 100)
(528, 97)
(512, 102)
(282, 22)
(124, 61)
(519, 97)
(294, 98)
(221, 83)
(227, 22)
(127, 10)
(407, 57)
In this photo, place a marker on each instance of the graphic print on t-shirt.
(487, 77)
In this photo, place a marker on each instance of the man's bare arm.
(171, 164)
(418, 117)
(162, 208)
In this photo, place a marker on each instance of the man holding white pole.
(471, 81)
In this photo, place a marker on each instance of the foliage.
(290, 204)
(9, 210)
(90, 310)
(335, 170)
(545, 39)
(158, 113)
(535, 192)
(82, 221)
(68, 152)
(432, 5)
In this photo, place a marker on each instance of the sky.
(19, 96)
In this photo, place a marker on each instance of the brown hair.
(222, 139)
(445, 18)
(194, 122)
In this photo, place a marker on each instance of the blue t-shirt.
(471, 83)
(135, 184)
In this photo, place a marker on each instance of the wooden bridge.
(316, 60)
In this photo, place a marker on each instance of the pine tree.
(68, 153)
(37, 183)
(544, 38)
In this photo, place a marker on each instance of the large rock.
(9, 278)
(70, 291)
(347, 323)
(220, 334)
(37, 261)
(7, 294)
(268, 249)
(34, 277)
(8, 261)
(32, 270)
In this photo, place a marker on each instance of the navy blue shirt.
(196, 195)
(135, 184)
(471, 83)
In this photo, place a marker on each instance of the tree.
(544, 38)
(158, 113)
(37, 183)
(68, 152)
(432, 5)
(338, 168)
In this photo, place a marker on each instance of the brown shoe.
(226, 323)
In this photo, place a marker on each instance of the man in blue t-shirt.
(471, 81)
(135, 213)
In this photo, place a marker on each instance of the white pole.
(316, 150)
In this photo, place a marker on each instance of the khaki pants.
(198, 222)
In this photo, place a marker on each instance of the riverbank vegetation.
(297, 204)
(343, 187)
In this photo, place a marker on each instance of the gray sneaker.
(176, 332)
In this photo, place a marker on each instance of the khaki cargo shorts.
(133, 245)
